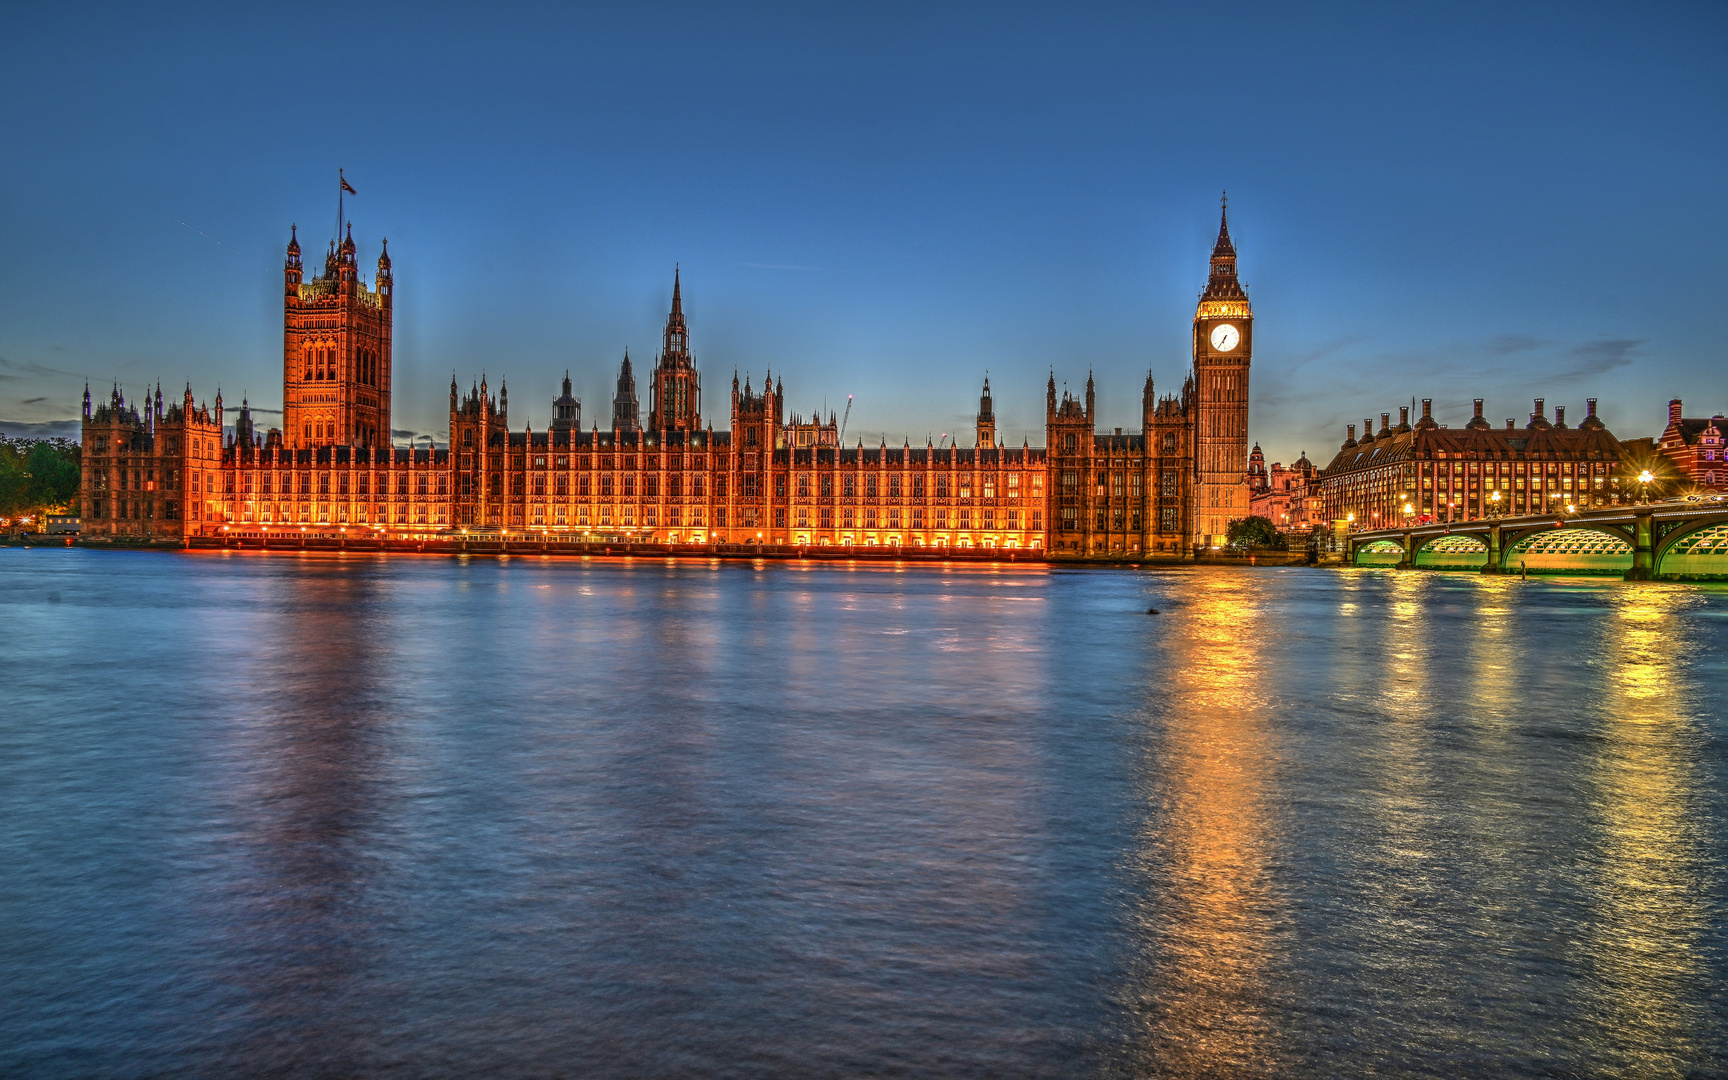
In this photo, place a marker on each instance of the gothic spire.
(1224, 246)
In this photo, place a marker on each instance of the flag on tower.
(346, 186)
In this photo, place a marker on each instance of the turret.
(986, 417)
(566, 410)
(385, 279)
(1590, 421)
(1091, 398)
(1478, 422)
(626, 411)
(292, 269)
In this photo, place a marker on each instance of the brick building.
(1477, 471)
(1697, 447)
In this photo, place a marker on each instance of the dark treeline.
(37, 475)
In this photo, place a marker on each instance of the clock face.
(1225, 337)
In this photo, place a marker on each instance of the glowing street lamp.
(1644, 479)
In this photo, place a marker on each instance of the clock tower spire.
(1223, 346)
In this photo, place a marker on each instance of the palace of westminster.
(169, 471)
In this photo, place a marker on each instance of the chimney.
(1385, 424)
(1559, 416)
(1427, 408)
(1403, 416)
(1674, 411)
(1349, 434)
(1478, 408)
(1509, 423)
(1590, 406)
(1538, 411)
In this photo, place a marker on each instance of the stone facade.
(156, 473)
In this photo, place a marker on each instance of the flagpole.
(339, 186)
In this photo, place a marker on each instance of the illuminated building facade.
(1285, 495)
(336, 335)
(1698, 447)
(768, 478)
(1455, 474)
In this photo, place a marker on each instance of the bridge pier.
(1408, 562)
(1643, 563)
(1492, 566)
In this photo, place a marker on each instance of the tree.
(37, 475)
(1253, 532)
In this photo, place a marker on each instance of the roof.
(1525, 443)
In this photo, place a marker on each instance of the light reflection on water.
(296, 816)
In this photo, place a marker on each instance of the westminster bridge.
(1676, 540)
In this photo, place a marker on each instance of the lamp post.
(1495, 500)
(1644, 479)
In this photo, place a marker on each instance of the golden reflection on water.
(1200, 1002)
(1649, 978)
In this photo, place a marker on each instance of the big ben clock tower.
(1223, 344)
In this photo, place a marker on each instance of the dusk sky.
(1446, 201)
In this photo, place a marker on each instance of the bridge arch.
(1377, 553)
(1569, 549)
(1453, 551)
(1696, 549)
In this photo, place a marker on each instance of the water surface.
(283, 815)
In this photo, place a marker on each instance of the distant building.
(1698, 447)
(1281, 494)
(1455, 474)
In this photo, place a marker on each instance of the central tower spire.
(677, 389)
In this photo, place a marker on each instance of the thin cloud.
(33, 401)
(33, 369)
(254, 408)
(1507, 344)
(53, 429)
(1603, 355)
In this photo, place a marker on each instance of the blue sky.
(1446, 201)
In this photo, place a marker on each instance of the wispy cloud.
(32, 369)
(1603, 355)
(53, 429)
(33, 401)
(254, 408)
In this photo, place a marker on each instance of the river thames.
(280, 815)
